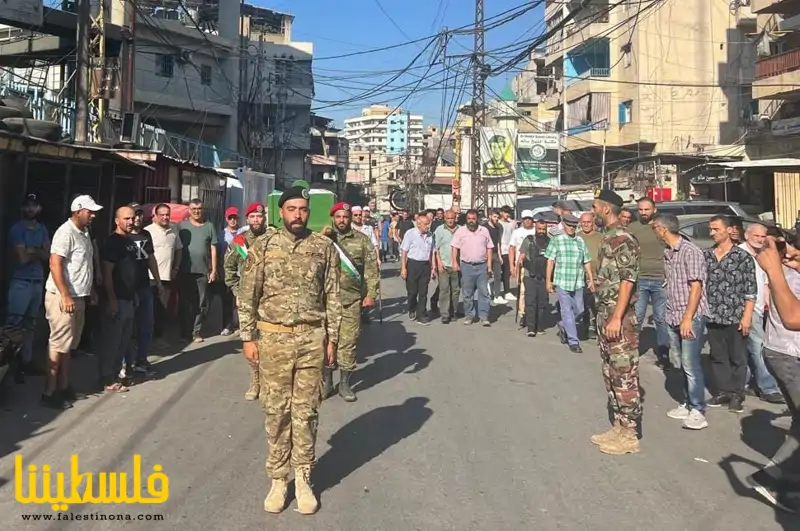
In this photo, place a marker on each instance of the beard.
(472, 226)
(295, 227)
(258, 229)
(342, 229)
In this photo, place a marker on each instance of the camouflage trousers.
(349, 331)
(290, 367)
(620, 359)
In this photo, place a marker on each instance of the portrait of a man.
(500, 153)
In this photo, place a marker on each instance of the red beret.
(341, 205)
(254, 207)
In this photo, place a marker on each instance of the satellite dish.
(399, 200)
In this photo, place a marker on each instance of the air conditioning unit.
(129, 133)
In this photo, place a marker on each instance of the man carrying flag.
(234, 258)
(358, 285)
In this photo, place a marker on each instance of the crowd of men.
(299, 299)
(113, 298)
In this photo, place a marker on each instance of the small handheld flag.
(239, 244)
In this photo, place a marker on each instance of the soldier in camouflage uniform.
(289, 294)
(358, 285)
(234, 258)
(617, 332)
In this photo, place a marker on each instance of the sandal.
(116, 387)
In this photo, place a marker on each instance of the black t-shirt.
(436, 223)
(144, 250)
(403, 226)
(496, 233)
(121, 251)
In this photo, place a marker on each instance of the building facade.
(642, 79)
(386, 147)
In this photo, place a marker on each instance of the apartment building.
(647, 79)
(773, 140)
(385, 145)
(530, 88)
(212, 82)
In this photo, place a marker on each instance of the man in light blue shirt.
(416, 267)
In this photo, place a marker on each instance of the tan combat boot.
(626, 442)
(275, 502)
(602, 438)
(306, 501)
(255, 385)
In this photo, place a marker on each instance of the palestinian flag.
(347, 265)
(239, 244)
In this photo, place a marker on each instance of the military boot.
(255, 384)
(306, 500)
(327, 383)
(626, 442)
(344, 387)
(275, 502)
(602, 438)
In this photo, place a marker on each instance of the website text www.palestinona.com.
(72, 517)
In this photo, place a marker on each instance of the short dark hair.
(646, 200)
(668, 221)
(160, 206)
(726, 221)
(628, 210)
(497, 139)
(506, 208)
(440, 209)
(495, 211)
(472, 211)
(422, 213)
(196, 201)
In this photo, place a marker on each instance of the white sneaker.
(122, 373)
(499, 300)
(680, 413)
(695, 421)
(510, 297)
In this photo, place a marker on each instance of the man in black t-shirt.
(121, 279)
(145, 266)
(404, 225)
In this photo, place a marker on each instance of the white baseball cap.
(85, 202)
(356, 208)
(526, 214)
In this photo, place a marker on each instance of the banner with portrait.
(538, 157)
(497, 152)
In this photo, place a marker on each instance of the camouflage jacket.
(232, 263)
(359, 250)
(290, 281)
(617, 261)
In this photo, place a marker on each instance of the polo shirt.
(75, 247)
(417, 246)
(472, 245)
(442, 239)
(165, 243)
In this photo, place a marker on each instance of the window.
(361, 158)
(625, 112)
(165, 65)
(374, 162)
(205, 74)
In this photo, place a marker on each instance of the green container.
(320, 203)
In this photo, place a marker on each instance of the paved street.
(456, 428)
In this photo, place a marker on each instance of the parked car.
(695, 227)
(705, 207)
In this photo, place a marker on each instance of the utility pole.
(415, 185)
(480, 199)
(262, 137)
(129, 67)
(603, 164)
(83, 8)
(98, 82)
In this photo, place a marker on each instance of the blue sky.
(349, 26)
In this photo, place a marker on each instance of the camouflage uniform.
(618, 261)
(359, 249)
(290, 294)
(232, 266)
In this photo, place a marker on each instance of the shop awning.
(766, 164)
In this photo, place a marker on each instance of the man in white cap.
(68, 286)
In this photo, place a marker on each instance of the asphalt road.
(456, 428)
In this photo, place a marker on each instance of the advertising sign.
(538, 158)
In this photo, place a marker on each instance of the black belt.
(419, 261)
(474, 263)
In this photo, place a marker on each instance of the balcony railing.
(592, 72)
(778, 64)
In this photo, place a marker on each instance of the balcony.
(777, 75)
(588, 74)
(780, 7)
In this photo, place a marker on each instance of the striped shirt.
(682, 265)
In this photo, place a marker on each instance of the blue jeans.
(685, 354)
(475, 278)
(654, 292)
(144, 324)
(755, 345)
(24, 306)
(571, 303)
